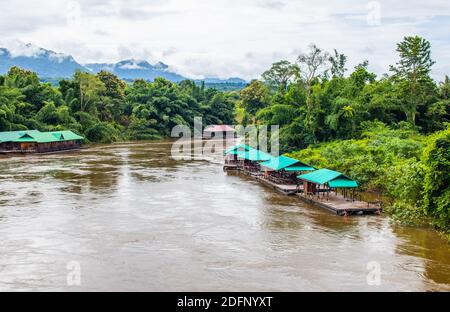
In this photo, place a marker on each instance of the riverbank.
(412, 171)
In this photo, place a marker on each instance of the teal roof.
(300, 168)
(236, 148)
(334, 179)
(254, 155)
(286, 163)
(10, 136)
(38, 137)
(67, 135)
(343, 183)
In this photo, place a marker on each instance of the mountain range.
(50, 64)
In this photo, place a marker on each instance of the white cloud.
(17, 48)
(131, 65)
(225, 37)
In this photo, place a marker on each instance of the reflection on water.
(135, 219)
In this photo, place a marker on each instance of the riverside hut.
(324, 180)
(251, 159)
(317, 190)
(231, 156)
(34, 141)
(284, 170)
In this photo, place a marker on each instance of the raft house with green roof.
(34, 141)
(284, 169)
(326, 188)
(279, 173)
(335, 191)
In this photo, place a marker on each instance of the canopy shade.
(254, 155)
(286, 163)
(241, 147)
(343, 183)
(299, 168)
(334, 179)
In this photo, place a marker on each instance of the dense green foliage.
(314, 101)
(411, 170)
(390, 133)
(105, 109)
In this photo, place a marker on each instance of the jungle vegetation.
(105, 109)
(390, 132)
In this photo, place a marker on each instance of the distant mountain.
(133, 69)
(52, 65)
(44, 62)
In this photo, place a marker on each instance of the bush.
(102, 133)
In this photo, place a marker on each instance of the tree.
(311, 65)
(21, 78)
(254, 97)
(338, 62)
(114, 87)
(436, 161)
(90, 89)
(279, 75)
(444, 88)
(412, 73)
(10, 100)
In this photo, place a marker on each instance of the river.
(127, 217)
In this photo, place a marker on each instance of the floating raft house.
(34, 141)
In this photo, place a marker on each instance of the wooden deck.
(31, 152)
(282, 188)
(342, 206)
(333, 203)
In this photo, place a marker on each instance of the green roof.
(10, 136)
(287, 163)
(300, 168)
(254, 155)
(67, 135)
(237, 148)
(30, 136)
(343, 183)
(334, 179)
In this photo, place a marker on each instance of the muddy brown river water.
(131, 218)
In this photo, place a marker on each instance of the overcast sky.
(226, 38)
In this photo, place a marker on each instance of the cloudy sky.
(226, 38)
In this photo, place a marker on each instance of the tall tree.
(412, 73)
(90, 88)
(311, 65)
(338, 62)
(114, 87)
(444, 87)
(279, 75)
(254, 97)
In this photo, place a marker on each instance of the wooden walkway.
(282, 188)
(333, 203)
(342, 206)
